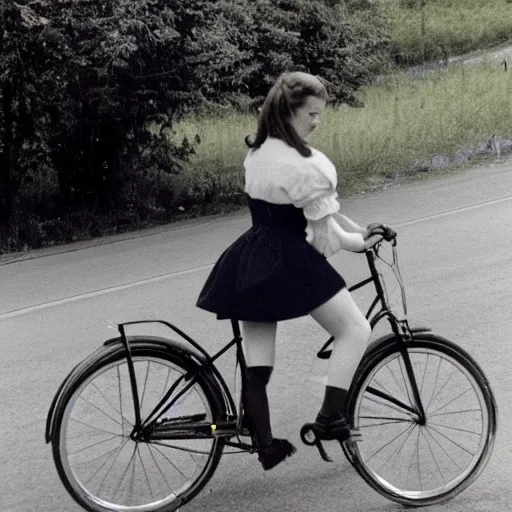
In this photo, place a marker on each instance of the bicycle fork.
(419, 409)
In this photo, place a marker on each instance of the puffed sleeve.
(315, 193)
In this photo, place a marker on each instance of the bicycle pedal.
(307, 434)
(322, 451)
(309, 438)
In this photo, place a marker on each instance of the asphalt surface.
(58, 305)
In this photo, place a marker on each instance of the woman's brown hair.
(287, 95)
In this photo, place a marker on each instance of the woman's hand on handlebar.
(375, 233)
(371, 241)
(383, 230)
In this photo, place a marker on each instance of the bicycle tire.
(140, 352)
(448, 354)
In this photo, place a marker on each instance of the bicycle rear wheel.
(402, 459)
(102, 467)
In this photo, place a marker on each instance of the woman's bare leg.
(341, 318)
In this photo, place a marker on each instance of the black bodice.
(283, 217)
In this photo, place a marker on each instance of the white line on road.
(446, 213)
(96, 293)
(170, 275)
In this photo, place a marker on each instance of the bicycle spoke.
(111, 405)
(451, 401)
(92, 445)
(453, 442)
(95, 428)
(396, 381)
(463, 411)
(435, 385)
(418, 459)
(145, 384)
(111, 466)
(444, 385)
(132, 479)
(170, 462)
(118, 450)
(433, 456)
(391, 421)
(389, 442)
(102, 412)
(441, 447)
(399, 448)
(424, 374)
(90, 461)
(145, 474)
(386, 391)
(457, 429)
(92, 434)
(132, 458)
(158, 466)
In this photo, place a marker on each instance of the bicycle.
(101, 422)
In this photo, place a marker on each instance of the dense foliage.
(90, 91)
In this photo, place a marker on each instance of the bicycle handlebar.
(382, 229)
(387, 234)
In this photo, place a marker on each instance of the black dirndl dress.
(270, 273)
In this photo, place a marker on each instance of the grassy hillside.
(451, 27)
(404, 121)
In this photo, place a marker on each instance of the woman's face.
(306, 118)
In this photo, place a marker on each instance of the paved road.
(456, 257)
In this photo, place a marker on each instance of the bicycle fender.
(108, 349)
(386, 340)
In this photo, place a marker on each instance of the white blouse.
(279, 174)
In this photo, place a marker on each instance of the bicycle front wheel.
(400, 457)
(99, 463)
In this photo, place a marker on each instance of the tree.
(22, 144)
(83, 81)
(310, 36)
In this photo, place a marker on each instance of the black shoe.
(270, 456)
(330, 428)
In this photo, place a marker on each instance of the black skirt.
(270, 273)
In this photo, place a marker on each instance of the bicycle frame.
(232, 425)
(400, 329)
(227, 428)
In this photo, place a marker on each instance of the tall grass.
(404, 120)
(451, 27)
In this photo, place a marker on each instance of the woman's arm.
(348, 224)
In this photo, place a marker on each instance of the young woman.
(278, 269)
